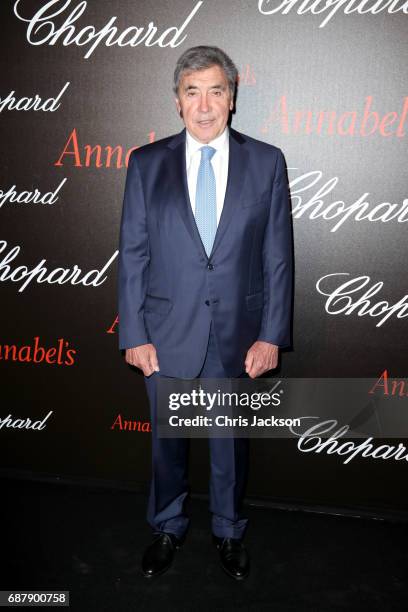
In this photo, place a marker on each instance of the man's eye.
(217, 93)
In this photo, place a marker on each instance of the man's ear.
(178, 106)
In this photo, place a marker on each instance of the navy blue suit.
(203, 313)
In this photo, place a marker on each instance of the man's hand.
(261, 357)
(143, 357)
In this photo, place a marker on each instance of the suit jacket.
(170, 291)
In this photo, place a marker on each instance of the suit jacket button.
(210, 266)
(207, 302)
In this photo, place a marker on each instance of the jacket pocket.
(248, 203)
(254, 300)
(157, 304)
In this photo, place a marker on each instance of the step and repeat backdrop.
(84, 83)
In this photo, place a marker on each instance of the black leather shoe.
(159, 556)
(233, 556)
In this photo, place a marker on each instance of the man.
(205, 286)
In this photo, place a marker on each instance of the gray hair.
(202, 57)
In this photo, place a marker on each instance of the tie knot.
(207, 152)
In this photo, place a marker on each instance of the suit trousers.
(169, 484)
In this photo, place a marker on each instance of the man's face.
(204, 101)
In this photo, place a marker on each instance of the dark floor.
(90, 542)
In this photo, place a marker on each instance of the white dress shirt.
(219, 163)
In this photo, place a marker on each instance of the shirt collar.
(220, 143)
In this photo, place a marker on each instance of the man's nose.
(204, 106)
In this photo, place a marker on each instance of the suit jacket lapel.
(237, 165)
(179, 188)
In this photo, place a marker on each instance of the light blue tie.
(206, 202)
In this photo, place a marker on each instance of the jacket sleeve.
(133, 261)
(277, 263)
